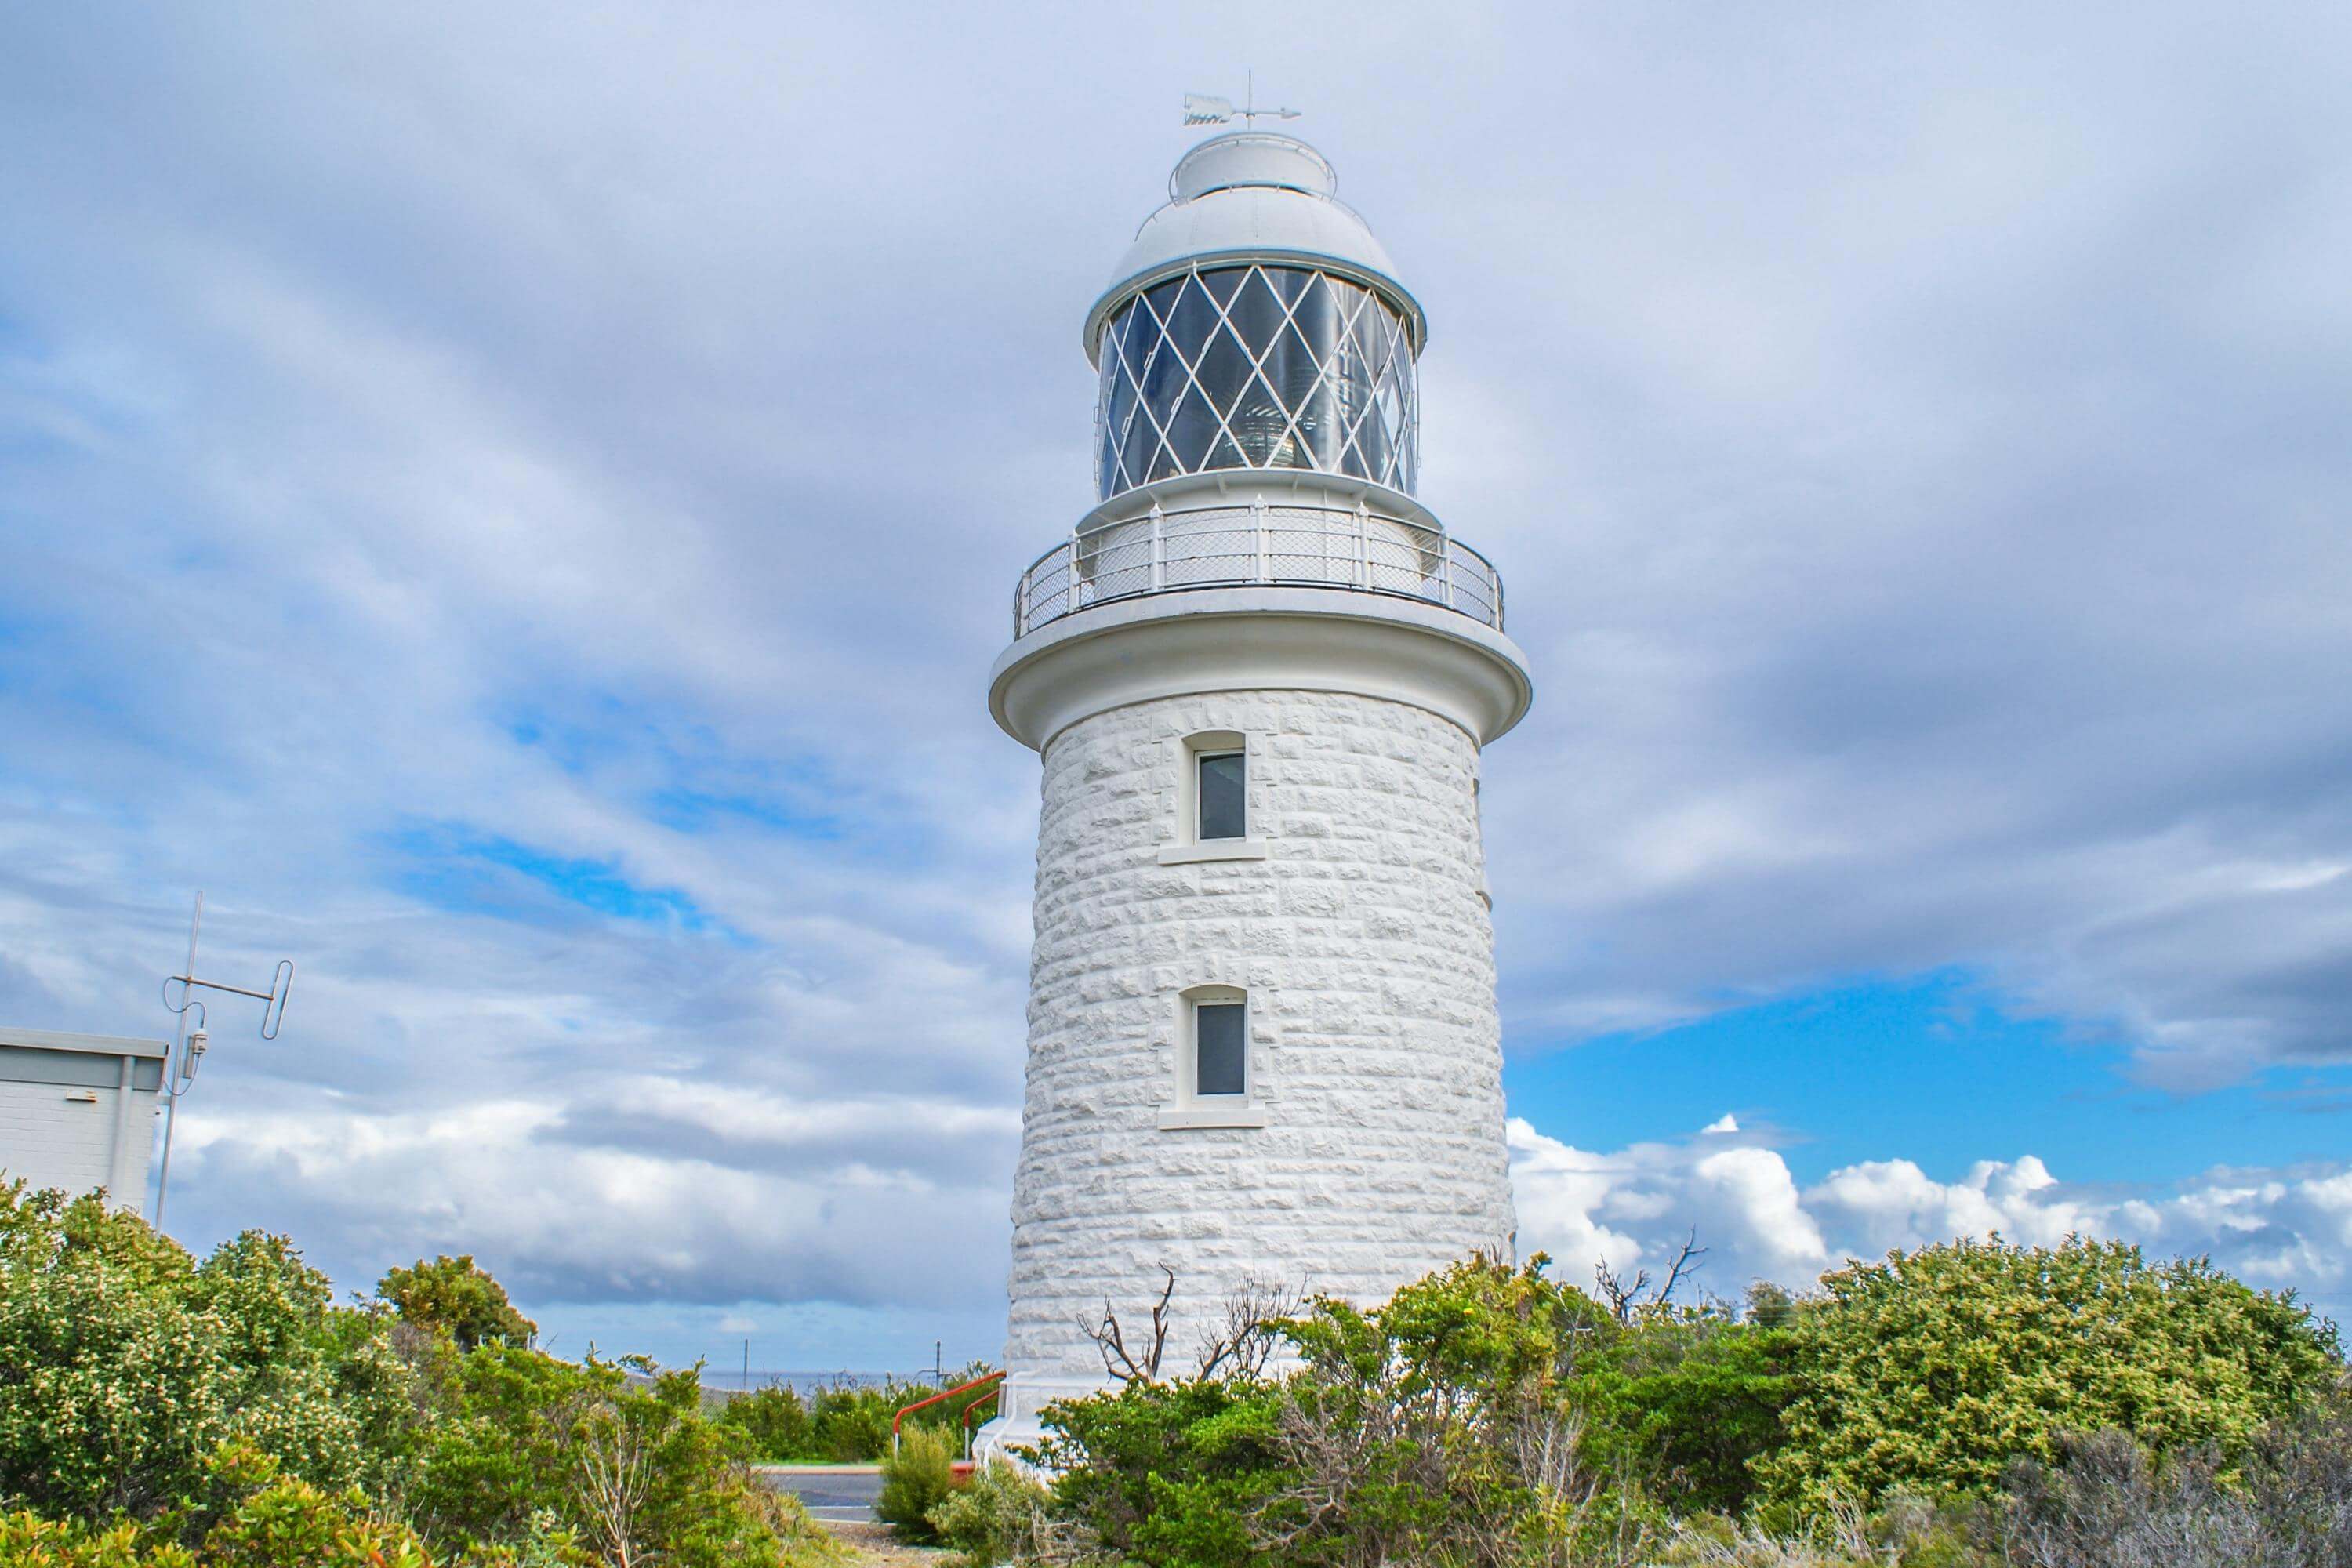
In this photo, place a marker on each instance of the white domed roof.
(1252, 196)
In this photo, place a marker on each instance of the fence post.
(1158, 551)
(1257, 516)
(1363, 544)
(1445, 569)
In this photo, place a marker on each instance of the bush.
(915, 1481)
(269, 1521)
(1682, 1402)
(1486, 1415)
(850, 1425)
(999, 1518)
(1432, 1429)
(455, 1296)
(127, 1364)
(152, 1407)
(773, 1421)
(1932, 1371)
(2110, 1503)
(630, 1467)
(1166, 1473)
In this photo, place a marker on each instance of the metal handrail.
(987, 1380)
(1285, 544)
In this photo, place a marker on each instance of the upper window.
(1220, 1048)
(1222, 793)
(1257, 367)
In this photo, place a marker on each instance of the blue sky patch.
(477, 873)
(1931, 1068)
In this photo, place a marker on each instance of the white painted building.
(1263, 1042)
(78, 1111)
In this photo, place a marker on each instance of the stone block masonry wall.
(1364, 943)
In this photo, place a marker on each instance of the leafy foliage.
(845, 1424)
(998, 1517)
(269, 1521)
(155, 1410)
(124, 1363)
(2110, 1503)
(1687, 1400)
(1434, 1429)
(1165, 1473)
(456, 1296)
(916, 1480)
(1486, 1415)
(774, 1424)
(1932, 1371)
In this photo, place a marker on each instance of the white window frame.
(1188, 1108)
(1189, 847)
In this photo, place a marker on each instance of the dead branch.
(1626, 1299)
(616, 1474)
(1243, 1344)
(1687, 1261)
(1110, 1340)
(1623, 1298)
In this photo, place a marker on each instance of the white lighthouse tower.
(1263, 1042)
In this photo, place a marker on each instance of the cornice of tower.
(1259, 638)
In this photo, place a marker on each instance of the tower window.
(1220, 1048)
(1221, 792)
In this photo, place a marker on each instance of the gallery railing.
(1257, 542)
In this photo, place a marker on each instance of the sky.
(518, 504)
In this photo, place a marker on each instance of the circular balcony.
(1292, 542)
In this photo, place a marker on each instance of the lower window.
(1220, 1048)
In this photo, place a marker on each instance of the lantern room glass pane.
(1257, 367)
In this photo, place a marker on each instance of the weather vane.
(1202, 108)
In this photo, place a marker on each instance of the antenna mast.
(187, 1052)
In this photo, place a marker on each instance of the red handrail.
(906, 1411)
(972, 1409)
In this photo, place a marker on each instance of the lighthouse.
(1263, 1047)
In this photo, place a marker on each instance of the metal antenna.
(187, 1052)
(1203, 109)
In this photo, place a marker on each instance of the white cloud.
(2277, 1229)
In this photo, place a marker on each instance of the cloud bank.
(1631, 1210)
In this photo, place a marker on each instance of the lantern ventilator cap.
(1252, 196)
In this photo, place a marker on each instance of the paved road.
(832, 1492)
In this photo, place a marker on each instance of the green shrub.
(851, 1425)
(997, 1519)
(915, 1481)
(1683, 1401)
(630, 1467)
(266, 1521)
(2110, 1503)
(152, 1405)
(1432, 1429)
(773, 1421)
(1934, 1369)
(454, 1296)
(1166, 1473)
(129, 1363)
